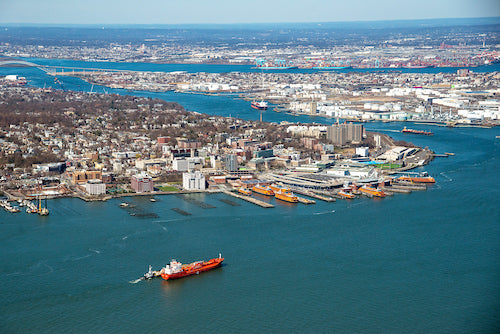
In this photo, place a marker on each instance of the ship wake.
(136, 281)
(323, 213)
(446, 176)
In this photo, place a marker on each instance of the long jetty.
(400, 190)
(314, 195)
(249, 199)
(410, 186)
(306, 201)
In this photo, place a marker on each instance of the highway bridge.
(16, 63)
(55, 70)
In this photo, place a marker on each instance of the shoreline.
(252, 64)
(15, 197)
(240, 95)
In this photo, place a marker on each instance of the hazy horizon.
(194, 12)
(437, 21)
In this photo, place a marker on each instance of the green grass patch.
(168, 188)
(388, 166)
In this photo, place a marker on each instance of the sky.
(236, 11)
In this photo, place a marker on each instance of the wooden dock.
(305, 200)
(249, 199)
(396, 190)
(410, 186)
(314, 195)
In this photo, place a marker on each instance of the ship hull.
(245, 192)
(372, 191)
(194, 270)
(417, 179)
(331, 67)
(258, 108)
(263, 191)
(286, 197)
(416, 132)
(276, 67)
(346, 195)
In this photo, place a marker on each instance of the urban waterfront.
(419, 262)
(422, 262)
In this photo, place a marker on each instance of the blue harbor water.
(425, 262)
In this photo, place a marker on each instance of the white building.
(144, 164)
(180, 165)
(193, 181)
(117, 166)
(95, 187)
(397, 153)
(362, 151)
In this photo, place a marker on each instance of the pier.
(400, 190)
(249, 199)
(314, 195)
(305, 200)
(408, 186)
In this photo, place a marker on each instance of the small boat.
(175, 269)
(149, 274)
(43, 212)
(152, 200)
(152, 274)
(124, 204)
(15, 209)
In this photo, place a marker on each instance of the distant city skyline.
(230, 11)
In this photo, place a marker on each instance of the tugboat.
(149, 274)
